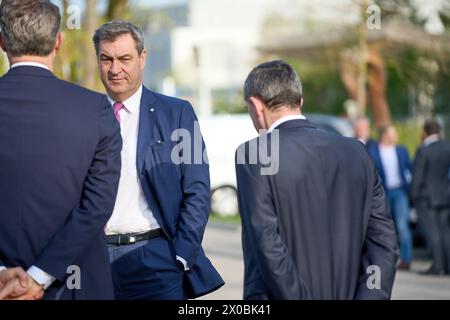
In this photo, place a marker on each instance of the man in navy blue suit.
(59, 167)
(394, 167)
(155, 232)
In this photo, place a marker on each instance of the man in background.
(430, 191)
(315, 228)
(59, 166)
(361, 127)
(394, 167)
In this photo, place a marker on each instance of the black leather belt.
(131, 238)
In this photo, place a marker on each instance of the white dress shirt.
(131, 211)
(285, 119)
(389, 160)
(40, 276)
(32, 64)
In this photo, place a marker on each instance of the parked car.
(224, 133)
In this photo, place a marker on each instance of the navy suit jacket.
(178, 192)
(431, 178)
(404, 165)
(314, 229)
(59, 173)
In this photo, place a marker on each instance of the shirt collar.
(133, 103)
(284, 119)
(31, 64)
(431, 139)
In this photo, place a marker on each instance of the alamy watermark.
(73, 281)
(73, 17)
(373, 282)
(264, 151)
(373, 21)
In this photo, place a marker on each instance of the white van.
(224, 133)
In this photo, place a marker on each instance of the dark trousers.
(146, 270)
(436, 223)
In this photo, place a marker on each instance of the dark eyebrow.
(125, 56)
(104, 56)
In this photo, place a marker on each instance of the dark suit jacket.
(431, 178)
(312, 230)
(404, 165)
(178, 194)
(371, 144)
(59, 172)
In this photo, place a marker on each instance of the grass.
(236, 219)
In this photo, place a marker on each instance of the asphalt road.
(222, 244)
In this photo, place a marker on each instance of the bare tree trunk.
(90, 59)
(348, 72)
(362, 63)
(63, 60)
(116, 9)
(377, 84)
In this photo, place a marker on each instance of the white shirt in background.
(391, 168)
(431, 139)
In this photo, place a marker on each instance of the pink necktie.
(117, 107)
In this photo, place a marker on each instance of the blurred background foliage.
(417, 79)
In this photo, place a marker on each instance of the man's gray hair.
(110, 31)
(275, 83)
(29, 27)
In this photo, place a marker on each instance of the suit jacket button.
(151, 110)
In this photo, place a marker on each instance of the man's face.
(120, 66)
(391, 136)
(362, 129)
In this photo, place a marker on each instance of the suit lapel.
(147, 118)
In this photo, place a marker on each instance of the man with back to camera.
(59, 167)
(430, 191)
(318, 227)
(155, 233)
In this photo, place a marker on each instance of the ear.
(143, 58)
(2, 43)
(258, 104)
(259, 110)
(59, 40)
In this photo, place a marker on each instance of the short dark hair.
(111, 30)
(275, 83)
(431, 127)
(29, 27)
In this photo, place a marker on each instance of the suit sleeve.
(380, 249)
(99, 192)
(260, 226)
(194, 211)
(418, 175)
(408, 165)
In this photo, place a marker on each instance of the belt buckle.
(132, 239)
